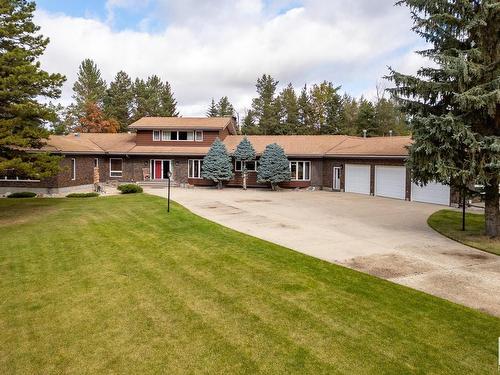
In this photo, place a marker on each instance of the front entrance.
(160, 169)
(336, 178)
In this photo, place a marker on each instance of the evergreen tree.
(287, 111)
(89, 87)
(454, 106)
(388, 117)
(212, 109)
(274, 166)
(305, 113)
(22, 83)
(244, 152)
(249, 127)
(325, 104)
(366, 118)
(224, 107)
(140, 100)
(217, 164)
(263, 106)
(348, 116)
(118, 100)
(168, 102)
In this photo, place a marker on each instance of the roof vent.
(77, 134)
(364, 133)
(390, 133)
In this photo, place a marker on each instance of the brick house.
(159, 145)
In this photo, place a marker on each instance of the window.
(96, 162)
(251, 166)
(300, 170)
(156, 135)
(73, 169)
(165, 135)
(115, 167)
(194, 168)
(177, 135)
(198, 137)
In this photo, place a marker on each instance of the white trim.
(166, 135)
(73, 169)
(17, 179)
(196, 132)
(116, 171)
(96, 162)
(305, 162)
(152, 169)
(335, 169)
(192, 161)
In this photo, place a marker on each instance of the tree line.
(320, 109)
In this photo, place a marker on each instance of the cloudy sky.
(211, 48)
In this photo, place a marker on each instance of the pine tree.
(140, 100)
(263, 106)
(168, 102)
(118, 100)
(249, 127)
(244, 152)
(22, 83)
(305, 113)
(325, 104)
(217, 164)
(274, 166)
(224, 107)
(288, 111)
(348, 116)
(454, 106)
(89, 87)
(212, 109)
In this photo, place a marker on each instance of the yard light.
(169, 174)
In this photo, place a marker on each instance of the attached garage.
(390, 181)
(433, 192)
(357, 178)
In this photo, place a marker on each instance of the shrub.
(22, 194)
(130, 188)
(82, 195)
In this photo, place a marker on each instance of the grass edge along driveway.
(449, 224)
(116, 285)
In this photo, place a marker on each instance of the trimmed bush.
(82, 195)
(22, 194)
(130, 188)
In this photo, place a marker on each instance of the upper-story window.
(156, 135)
(198, 135)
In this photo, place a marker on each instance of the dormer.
(182, 131)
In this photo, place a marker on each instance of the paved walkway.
(387, 238)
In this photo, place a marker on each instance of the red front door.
(158, 169)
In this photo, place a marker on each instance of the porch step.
(157, 183)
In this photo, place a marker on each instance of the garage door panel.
(390, 181)
(357, 178)
(433, 192)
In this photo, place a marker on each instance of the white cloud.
(207, 51)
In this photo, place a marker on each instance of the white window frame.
(200, 138)
(157, 135)
(240, 169)
(166, 135)
(304, 162)
(96, 162)
(113, 173)
(73, 169)
(194, 162)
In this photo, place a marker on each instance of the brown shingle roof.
(91, 143)
(376, 146)
(294, 145)
(170, 150)
(202, 123)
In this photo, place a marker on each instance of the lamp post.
(169, 174)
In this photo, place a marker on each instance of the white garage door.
(390, 181)
(357, 178)
(433, 192)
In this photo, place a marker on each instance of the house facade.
(159, 145)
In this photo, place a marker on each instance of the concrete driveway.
(384, 237)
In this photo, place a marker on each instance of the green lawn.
(115, 285)
(449, 224)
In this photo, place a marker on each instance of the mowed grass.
(449, 224)
(115, 285)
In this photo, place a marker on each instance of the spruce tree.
(89, 87)
(244, 152)
(212, 109)
(305, 112)
(153, 98)
(224, 107)
(263, 106)
(348, 116)
(217, 164)
(288, 111)
(168, 102)
(454, 106)
(118, 100)
(22, 84)
(274, 166)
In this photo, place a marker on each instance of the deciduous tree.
(94, 121)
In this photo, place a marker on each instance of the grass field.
(115, 285)
(449, 224)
